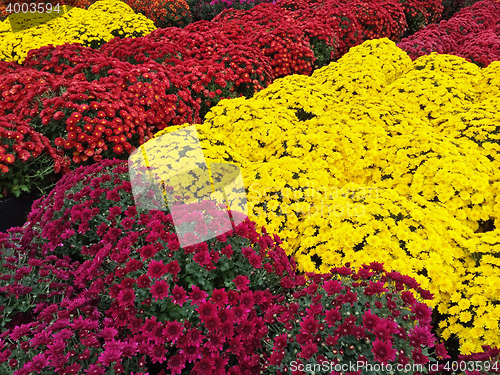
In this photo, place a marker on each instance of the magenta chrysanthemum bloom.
(147, 251)
(212, 323)
(419, 357)
(422, 312)
(219, 297)
(408, 297)
(156, 269)
(370, 320)
(178, 295)
(422, 336)
(206, 310)
(377, 267)
(383, 351)
(385, 329)
(375, 288)
(126, 297)
(309, 325)
(143, 281)
(280, 342)
(441, 351)
(241, 282)
(332, 287)
(173, 268)
(197, 296)
(159, 290)
(173, 331)
(95, 369)
(332, 316)
(191, 353)
(203, 258)
(308, 350)
(176, 364)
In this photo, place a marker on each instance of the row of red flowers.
(473, 33)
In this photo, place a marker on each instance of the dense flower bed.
(129, 297)
(246, 51)
(400, 171)
(472, 33)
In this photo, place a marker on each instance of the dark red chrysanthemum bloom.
(241, 282)
(173, 268)
(332, 316)
(219, 297)
(280, 342)
(173, 330)
(383, 351)
(191, 353)
(143, 281)
(308, 350)
(370, 320)
(247, 300)
(309, 325)
(377, 267)
(176, 363)
(419, 357)
(422, 312)
(206, 310)
(197, 296)
(212, 323)
(127, 283)
(147, 251)
(156, 269)
(159, 290)
(332, 287)
(126, 297)
(178, 295)
(375, 288)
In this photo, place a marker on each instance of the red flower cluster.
(370, 316)
(273, 30)
(115, 305)
(20, 142)
(473, 33)
(164, 13)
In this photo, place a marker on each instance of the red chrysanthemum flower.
(383, 351)
(206, 310)
(178, 295)
(219, 297)
(332, 287)
(308, 350)
(191, 353)
(176, 364)
(147, 251)
(126, 297)
(370, 320)
(173, 331)
(422, 312)
(332, 316)
(159, 290)
(197, 296)
(173, 268)
(143, 281)
(241, 282)
(156, 269)
(309, 325)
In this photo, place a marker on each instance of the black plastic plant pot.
(14, 211)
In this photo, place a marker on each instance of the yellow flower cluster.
(103, 21)
(377, 158)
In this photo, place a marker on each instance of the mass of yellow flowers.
(103, 21)
(378, 158)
